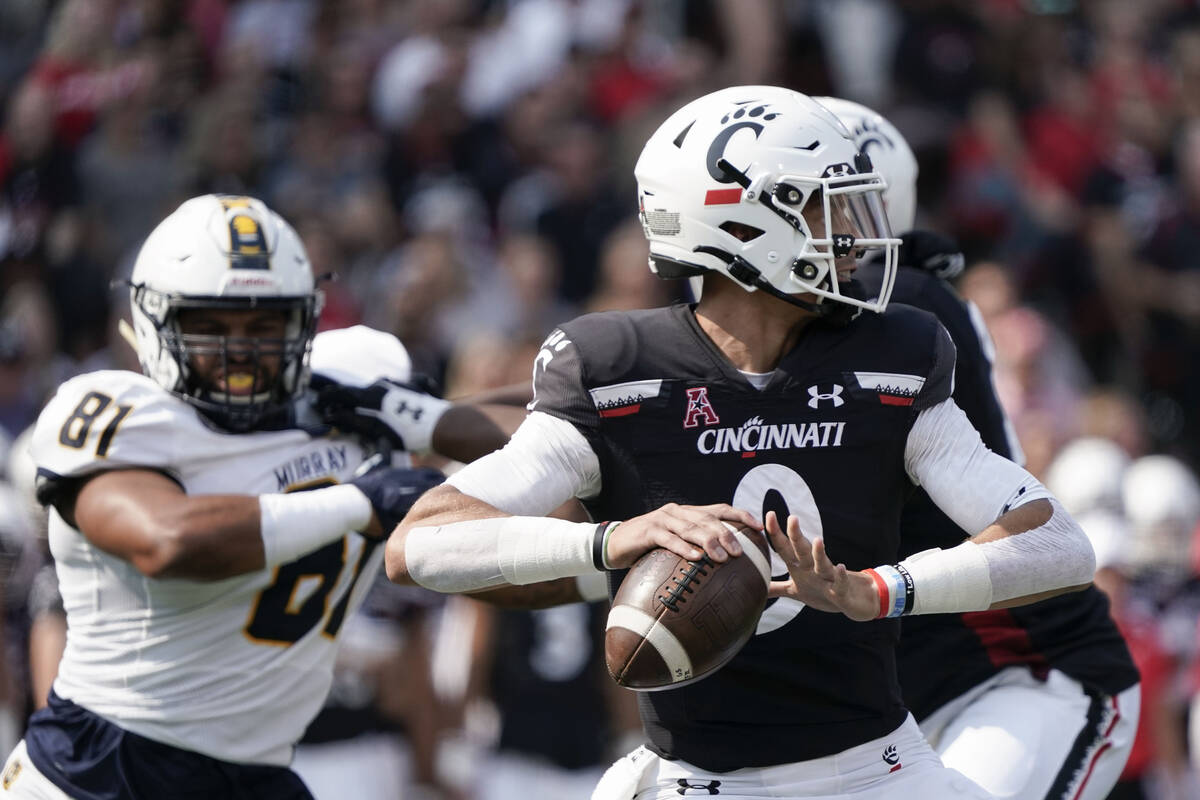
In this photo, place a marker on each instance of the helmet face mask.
(890, 153)
(215, 255)
(776, 163)
(842, 215)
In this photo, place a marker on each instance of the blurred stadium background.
(465, 168)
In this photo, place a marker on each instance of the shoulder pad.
(610, 343)
(915, 356)
(110, 420)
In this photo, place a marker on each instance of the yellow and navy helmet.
(224, 252)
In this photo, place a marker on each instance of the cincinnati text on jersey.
(327, 461)
(754, 435)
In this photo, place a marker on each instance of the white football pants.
(21, 779)
(1019, 737)
(900, 764)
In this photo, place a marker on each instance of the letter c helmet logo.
(716, 150)
(748, 114)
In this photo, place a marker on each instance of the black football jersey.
(941, 656)
(671, 420)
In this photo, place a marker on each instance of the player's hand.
(392, 491)
(815, 580)
(932, 252)
(403, 413)
(687, 531)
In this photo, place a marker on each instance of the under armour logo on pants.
(702, 787)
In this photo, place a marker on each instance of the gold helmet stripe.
(247, 242)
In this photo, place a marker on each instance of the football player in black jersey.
(782, 399)
(1037, 701)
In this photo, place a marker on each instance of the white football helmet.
(889, 153)
(1086, 475)
(1162, 503)
(752, 159)
(224, 252)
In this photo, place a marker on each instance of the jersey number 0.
(774, 487)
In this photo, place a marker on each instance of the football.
(674, 621)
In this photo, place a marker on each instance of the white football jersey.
(235, 669)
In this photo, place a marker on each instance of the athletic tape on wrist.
(949, 581)
(294, 524)
(481, 553)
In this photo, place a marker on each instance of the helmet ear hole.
(741, 231)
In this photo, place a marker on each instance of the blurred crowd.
(463, 171)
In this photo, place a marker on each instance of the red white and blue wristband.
(895, 587)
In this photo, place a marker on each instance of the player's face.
(253, 342)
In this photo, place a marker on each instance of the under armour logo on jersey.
(701, 787)
(698, 407)
(816, 396)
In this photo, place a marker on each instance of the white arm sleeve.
(971, 577)
(974, 486)
(481, 553)
(545, 463)
(1054, 555)
(967, 481)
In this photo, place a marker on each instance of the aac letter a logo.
(698, 407)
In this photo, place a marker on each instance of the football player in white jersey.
(640, 415)
(211, 531)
